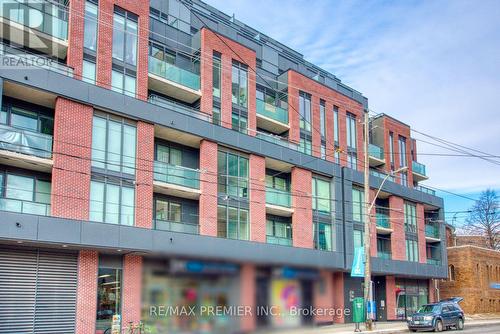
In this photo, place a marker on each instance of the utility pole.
(367, 234)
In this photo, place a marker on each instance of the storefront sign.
(115, 324)
(358, 262)
(495, 286)
(294, 273)
(201, 267)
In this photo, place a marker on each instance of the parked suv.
(438, 316)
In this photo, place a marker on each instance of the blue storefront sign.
(358, 268)
(202, 267)
(495, 286)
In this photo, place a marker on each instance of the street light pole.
(368, 208)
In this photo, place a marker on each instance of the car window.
(446, 308)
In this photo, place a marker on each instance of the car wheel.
(460, 324)
(439, 326)
(413, 330)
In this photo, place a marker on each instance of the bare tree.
(484, 218)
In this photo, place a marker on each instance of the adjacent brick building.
(163, 153)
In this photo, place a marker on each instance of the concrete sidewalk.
(380, 327)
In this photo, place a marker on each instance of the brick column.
(315, 127)
(86, 300)
(72, 154)
(330, 149)
(302, 229)
(373, 226)
(208, 187)
(104, 44)
(422, 250)
(432, 292)
(75, 37)
(343, 136)
(390, 297)
(247, 297)
(132, 289)
(257, 198)
(144, 175)
(293, 110)
(324, 296)
(398, 238)
(338, 297)
(226, 97)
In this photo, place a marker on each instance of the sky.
(432, 64)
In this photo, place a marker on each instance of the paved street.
(490, 329)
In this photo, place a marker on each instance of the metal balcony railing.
(178, 175)
(25, 141)
(383, 220)
(271, 111)
(278, 197)
(419, 168)
(165, 103)
(431, 231)
(276, 140)
(20, 206)
(426, 190)
(173, 73)
(376, 152)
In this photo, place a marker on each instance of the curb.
(405, 330)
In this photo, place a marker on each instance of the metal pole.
(367, 236)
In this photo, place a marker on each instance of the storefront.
(410, 295)
(280, 293)
(186, 296)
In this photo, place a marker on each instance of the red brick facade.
(86, 302)
(302, 229)
(247, 297)
(390, 288)
(208, 187)
(323, 297)
(422, 250)
(132, 289)
(257, 198)
(398, 239)
(144, 175)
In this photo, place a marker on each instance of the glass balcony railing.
(16, 205)
(426, 190)
(383, 220)
(278, 197)
(28, 14)
(419, 168)
(278, 240)
(174, 73)
(381, 175)
(433, 261)
(431, 231)
(25, 141)
(276, 140)
(384, 255)
(271, 111)
(376, 152)
(178, 175)
(162, 102)
(165, 225)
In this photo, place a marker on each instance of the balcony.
(381, 175)
(46, 32)
(418, 171)
(435, 262)
(278, 241)
(426, 190)
(276, 140)
(376, 155)
(25, 149)
(164, 225)
(162, 102)
(271, 118)
(432, 232)
(278, 202)
(383, 223)
(20, 206)
(173, 81)
(176, 180)
(384, 255)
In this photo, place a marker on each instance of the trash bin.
(358, 310)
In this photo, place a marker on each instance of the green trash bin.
(358, 310)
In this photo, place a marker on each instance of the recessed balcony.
(24, 24)
(432, 233)
(165, 225)
(279, 241)
(276, 140)
(278, 202)
(376, 155)
(418, 171)
(384, 255)
(176, 180)
(271, 118)
(173, 81)
(25, 149)
(383, 223)
(20, 206)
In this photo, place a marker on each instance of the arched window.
(451, 273)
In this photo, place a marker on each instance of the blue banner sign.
(495, 286)
(358, 267)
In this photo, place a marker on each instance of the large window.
(321, 196)
(123, 81)
(125, 36)
(27, 118)
(168, 210)
(239, 121)
(357, 239)
(323, 236)
(26, 194)
(336, 124)
(232, 222)
(216, 74)
(411, 250)
(305, 146)
(391, 149)
(410, 211)
(233, 174)
(351, 131)
(239, 80)
(113, 144)
(169, 155)
(90, 26)
(358, 204)
(216, 118)
(88, 71)
(278, 231)
(109, 297)
(322, 118)
(112, 202)
(352, 160)
(402, 151)
(305, 111)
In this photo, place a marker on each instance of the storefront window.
(109, 284)
(410, 295)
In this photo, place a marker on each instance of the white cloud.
(434, 65)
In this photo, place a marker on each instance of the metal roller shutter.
(37, 291)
